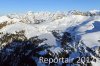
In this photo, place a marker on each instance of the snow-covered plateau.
(32, 35)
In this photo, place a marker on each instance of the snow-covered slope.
(84, 29)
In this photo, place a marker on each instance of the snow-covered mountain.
(70, 34)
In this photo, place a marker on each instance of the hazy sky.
(8, 6)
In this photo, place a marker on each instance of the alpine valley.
(24, 38)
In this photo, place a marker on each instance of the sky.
(9, 6)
